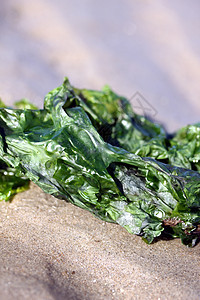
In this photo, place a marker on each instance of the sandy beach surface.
(50, 249)
(53, 250)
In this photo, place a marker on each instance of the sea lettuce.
(63, 149)
(115, 120)
(184, 147)
(11, 180)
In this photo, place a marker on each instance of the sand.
(53, 250)
(50, 249)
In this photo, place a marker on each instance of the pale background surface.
(50, 249)
(148, 46)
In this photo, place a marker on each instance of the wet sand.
(53, 250)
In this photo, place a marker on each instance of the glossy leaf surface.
(63, 149)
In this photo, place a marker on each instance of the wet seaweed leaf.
(63, 149)
(11, 181)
